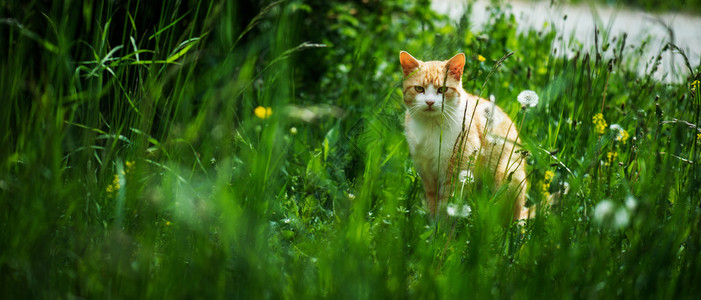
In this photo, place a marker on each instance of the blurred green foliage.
(135, 164)
(653, 6)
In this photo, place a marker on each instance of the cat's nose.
(429, 103)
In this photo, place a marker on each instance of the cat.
(447, 128)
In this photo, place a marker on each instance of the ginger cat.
(446, 128)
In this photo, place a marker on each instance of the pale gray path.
(582, 19)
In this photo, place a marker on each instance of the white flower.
(618, 130)
(616, 127)
(621, 218)
(621, 134)
(631, 203)
(609, 214)
(602, 211)
(528, 98)
(462, 211)
(492, 118)
(494, 139)
(465, 176)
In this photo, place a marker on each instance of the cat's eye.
(442, 90)
(419, 89)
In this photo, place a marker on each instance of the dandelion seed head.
(492, 139)
(527, 98)
(492, 118)
(603, 211)
(452, 209)
(631, 203)
(621, 218)
(465, 176)
(459, 211)
(621, 134)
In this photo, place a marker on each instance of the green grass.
(672, 6)
(133, 165)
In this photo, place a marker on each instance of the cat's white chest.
(431, 146)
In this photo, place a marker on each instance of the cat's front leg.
(431, 187)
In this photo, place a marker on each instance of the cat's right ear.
(409, 63)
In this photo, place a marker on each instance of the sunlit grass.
(215, 151)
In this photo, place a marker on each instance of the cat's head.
(432, 84)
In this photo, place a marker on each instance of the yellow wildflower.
(698, 137)
(694, 85)
(129, 167)
(621, 134)
(114, 186)
(599, 123)
(611, 157)
(549, 175)
(481, 58)
(623, 137)
(263, 112)
(545, 185)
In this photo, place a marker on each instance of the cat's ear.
(455, 66)
(409, 63)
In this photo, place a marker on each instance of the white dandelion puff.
(603, 211)
(618, 130)
(460, 211)
(465, 176)
(631, 203)
(616, 127)
(621, 134)
(528, 98)
(492, 118)
(494, 139)
(621, 218)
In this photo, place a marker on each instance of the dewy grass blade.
(255, 21)
(184, 48)
(28, 33)
(168, 26)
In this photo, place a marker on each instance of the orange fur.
(449, 130)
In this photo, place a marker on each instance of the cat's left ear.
(455, 66)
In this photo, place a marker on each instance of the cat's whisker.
(450, 115)
(412, 110)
